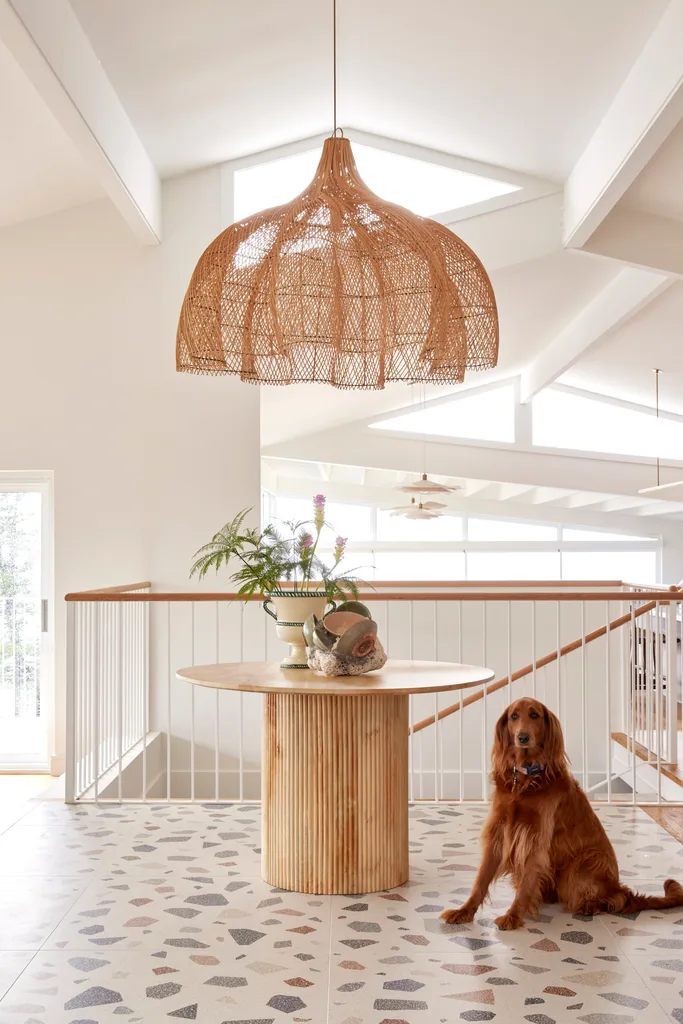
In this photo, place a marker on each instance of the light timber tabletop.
(335, 768)
(396, 677)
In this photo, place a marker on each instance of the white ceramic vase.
(291, 609)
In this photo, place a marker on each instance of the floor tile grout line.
(69, 909)
(328, 1009)
(20, 974)
(629, 958)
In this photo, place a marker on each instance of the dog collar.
(536, 768)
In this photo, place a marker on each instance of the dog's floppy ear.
(502, 730)
(500, 745)
(553, 744)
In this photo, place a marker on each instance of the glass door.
(25, 648)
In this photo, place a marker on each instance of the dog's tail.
(625, 901)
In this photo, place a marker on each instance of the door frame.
(42, 482)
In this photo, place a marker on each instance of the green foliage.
(15, 556)
(267, 559)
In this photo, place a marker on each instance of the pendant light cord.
(657, 417)
(334, 64)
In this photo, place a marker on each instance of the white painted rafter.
(645, 240)
(475, 499)
(515, 233)
(50, 46)
(645, 110)
(625, 295)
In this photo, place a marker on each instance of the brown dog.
(543, 832)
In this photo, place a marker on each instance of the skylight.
(425, 188)
(565, 420)
(598, 535)
(484, 416)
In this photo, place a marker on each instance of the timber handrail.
(522, 584)
(650, 586)
(126, 588)
(547, 659)
(396, 585)
(114, 594)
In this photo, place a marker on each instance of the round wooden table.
(335, 768)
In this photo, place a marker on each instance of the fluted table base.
(335, 792)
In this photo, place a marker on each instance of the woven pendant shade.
(340, 287)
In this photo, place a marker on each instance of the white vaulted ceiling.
(582, 99)
(40, 170)
(209, 80)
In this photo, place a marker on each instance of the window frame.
(465, 546)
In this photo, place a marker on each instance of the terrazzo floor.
(157, 913)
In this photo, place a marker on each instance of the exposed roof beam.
(625, 295)
(641, 239)
(514, 234)
(622, 504)
(52, 49)
(377, 449)
(657, 508)
(583, 499)
(543, 495)
(647, 107)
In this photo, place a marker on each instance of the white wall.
(147, 463)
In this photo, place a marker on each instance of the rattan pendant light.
(341, 287)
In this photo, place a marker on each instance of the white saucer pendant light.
(423, 487)
(426, 486)
(338, 286)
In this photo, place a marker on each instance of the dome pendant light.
(338, 286)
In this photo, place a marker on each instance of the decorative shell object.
(344, 642)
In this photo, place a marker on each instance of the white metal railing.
(107, 693)
(598, 654)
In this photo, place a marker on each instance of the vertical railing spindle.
(608, 703)
(672, 682)
(584, 724)
(484, 716)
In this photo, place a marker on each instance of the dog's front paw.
(460, 915)
(508, 922)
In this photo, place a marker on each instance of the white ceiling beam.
(543, 495)
(514, 492)
(377, 449)
(472, 487)
(621, 504)
(385, 496)
(583, 499)
(624, 296)
(640, 239)
(644, 111)
(658, 508)
(48, 43)
(514, 234)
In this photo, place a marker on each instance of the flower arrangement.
(270, 558)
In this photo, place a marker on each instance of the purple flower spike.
(339, 548)
(305, 540)
(319, 511)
